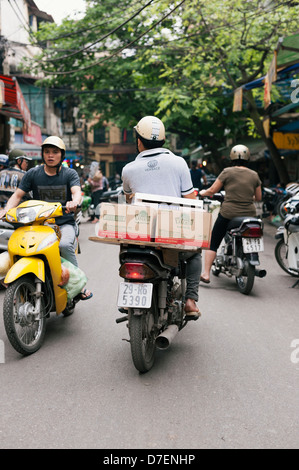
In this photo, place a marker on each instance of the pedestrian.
(15, 167)
(242, 187)
(99, 184)
(156, 170)
(53, 182)
(197, 175)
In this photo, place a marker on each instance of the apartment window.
(101, 135)
(128, 136)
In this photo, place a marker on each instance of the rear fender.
(253, 259)
(32, 265)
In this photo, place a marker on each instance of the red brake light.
(136, 271)
(253, 232)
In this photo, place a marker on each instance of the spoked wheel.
(24, 329)
(142, 340)
(246, 280)
(281, 258)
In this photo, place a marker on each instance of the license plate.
(253, 245)
(135, 295)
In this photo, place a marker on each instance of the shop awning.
(12, 101)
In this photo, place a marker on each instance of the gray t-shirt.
(55, 188)
(157, 171)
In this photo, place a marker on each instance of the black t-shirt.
(55, 188)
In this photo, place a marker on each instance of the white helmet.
(239, 152)
(55, 141)
(151, 128)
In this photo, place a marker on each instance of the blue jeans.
(193, 271)
(67, 243)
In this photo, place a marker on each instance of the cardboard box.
(170, 201)
(184, 227)
(125, 221)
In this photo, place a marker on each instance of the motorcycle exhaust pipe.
(260, 272)
(164, 340)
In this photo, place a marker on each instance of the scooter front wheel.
(25, 330)
(281, 258)
(142, 340)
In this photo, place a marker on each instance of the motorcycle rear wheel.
(142, 341)
(281, 258)
(246, 280)
(25, 331)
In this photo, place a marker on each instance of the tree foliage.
(179, 59)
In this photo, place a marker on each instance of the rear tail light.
(253, 232)
(136, 271)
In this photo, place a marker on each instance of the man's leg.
(193, 270)
(67, 250)
(67, 243)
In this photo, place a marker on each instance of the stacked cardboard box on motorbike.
(173, 222)
(185, 227)
(128, 222)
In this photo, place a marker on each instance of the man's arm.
(71, 206)
(13, 201)
(190, 196)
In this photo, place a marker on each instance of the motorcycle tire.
(280, 252)
(142, 340)
(25, 333)
(246, 280)
(215, 270)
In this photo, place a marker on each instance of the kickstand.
(296, 283)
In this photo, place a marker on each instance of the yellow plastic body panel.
(25, 243)
(24, 266)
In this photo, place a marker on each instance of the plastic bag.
(77, 278)
(5, 264)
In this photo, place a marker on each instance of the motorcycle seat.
(237, 221)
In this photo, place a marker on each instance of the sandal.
(83, 295)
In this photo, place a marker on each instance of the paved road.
(227, 382)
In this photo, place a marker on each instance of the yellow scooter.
(33, 279)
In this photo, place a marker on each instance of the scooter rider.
(242, 186)
(158, 171)
(53, 182)
(15, 167)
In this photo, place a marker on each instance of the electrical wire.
(119, 50)
(101, 39)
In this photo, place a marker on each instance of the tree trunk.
(275, 155)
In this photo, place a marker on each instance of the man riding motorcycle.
(158, 171)
(53, 182)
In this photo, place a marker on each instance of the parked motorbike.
(274, 199)
(112, 195)
(153, 298)
(287, 247)
(238, 254)
(33, 279)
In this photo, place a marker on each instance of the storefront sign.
(286, 141)
(32, 134)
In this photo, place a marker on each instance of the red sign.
(33, 134)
